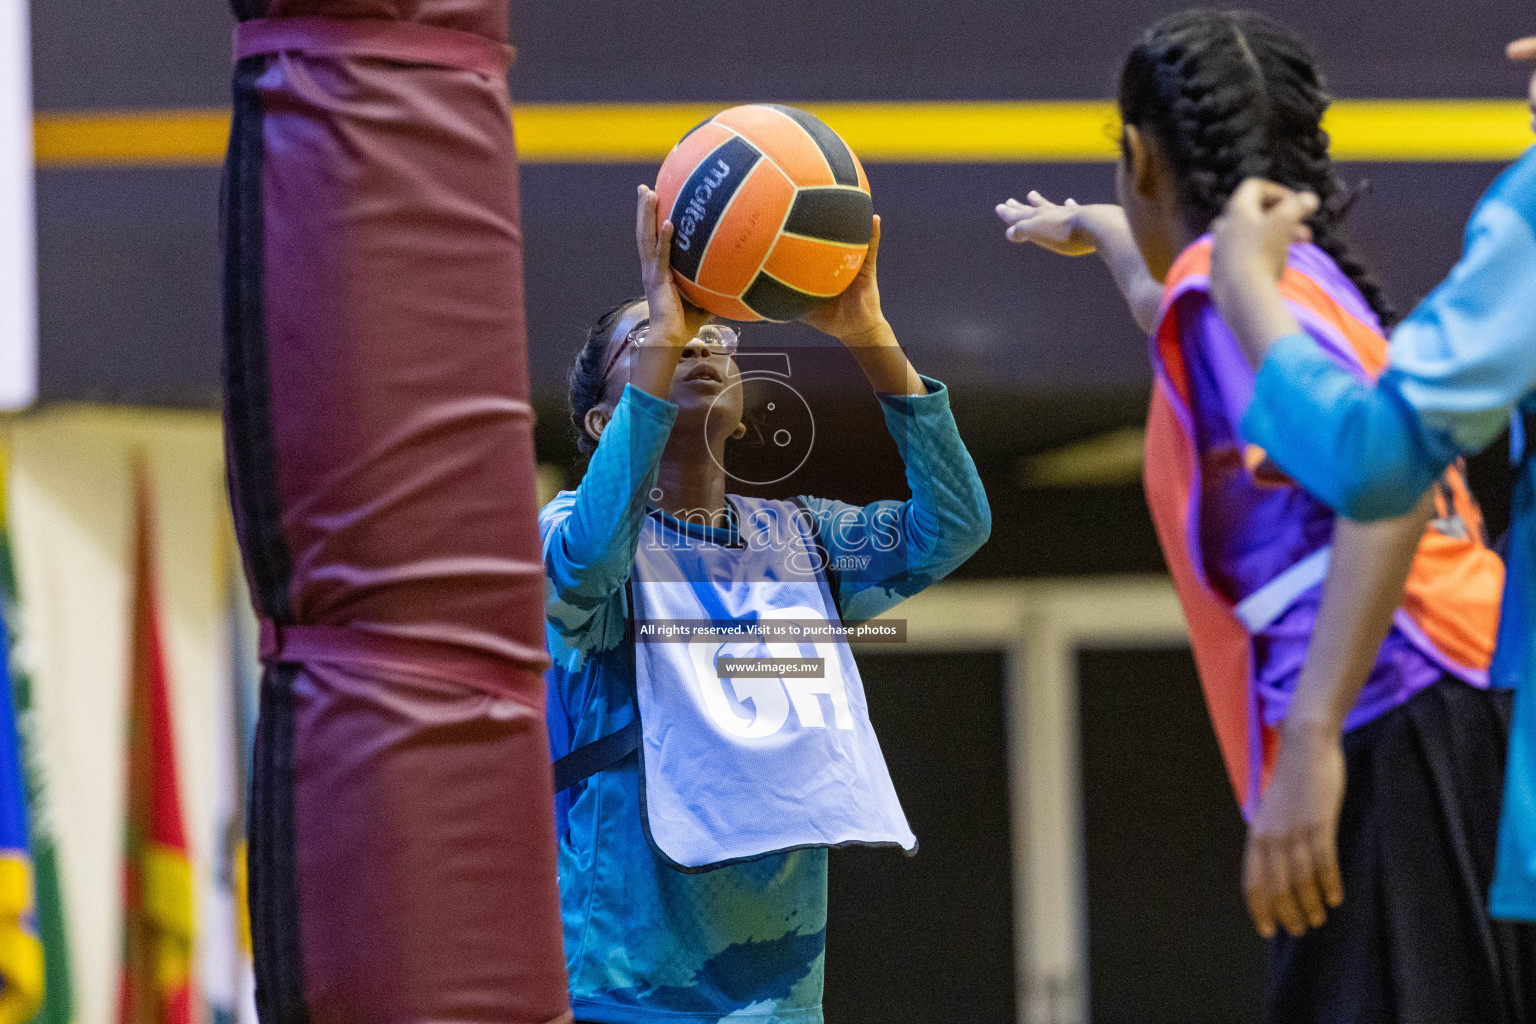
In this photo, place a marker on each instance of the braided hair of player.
(1233, 94)
(586, 384)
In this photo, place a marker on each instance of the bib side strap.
(1262, 607)
(404, 41)
(599, 755)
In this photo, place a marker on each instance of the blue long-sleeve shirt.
(645, 942)
(1460, 365)
(1462, 361)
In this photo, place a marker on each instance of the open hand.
(1291, 863)
(1059, 228)
(855, 315)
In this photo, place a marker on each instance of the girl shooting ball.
(1367, 758)
(700, 804)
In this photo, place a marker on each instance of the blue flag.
(21, 952)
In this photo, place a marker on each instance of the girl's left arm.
(883, 553)
(856, 319)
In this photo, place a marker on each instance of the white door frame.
(1041, 625)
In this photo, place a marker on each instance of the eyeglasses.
(720, 339)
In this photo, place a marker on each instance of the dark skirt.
(1413, 942)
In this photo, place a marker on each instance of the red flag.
(157, 868)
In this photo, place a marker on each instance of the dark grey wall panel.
(130, 53)
(128, 286)
(153, 53)
(930, 937)
(1168, 938)
(928, 49)
(129, 273)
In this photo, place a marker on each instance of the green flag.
(58, 1004)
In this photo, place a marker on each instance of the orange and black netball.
(771, 213)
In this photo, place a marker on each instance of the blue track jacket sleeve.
(1460, 364)
(590, 533)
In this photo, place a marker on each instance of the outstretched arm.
(1073, 230)
(1291, 864)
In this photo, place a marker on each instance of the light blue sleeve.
(1358, 449)
(589, 534)
(1460, 364)
(883, 553)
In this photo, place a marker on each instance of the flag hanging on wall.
(57, 1005)
(228, 976)
(21, 952)
(156, 985)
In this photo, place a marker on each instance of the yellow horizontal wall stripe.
(143, 138)
(878, 132)
(1430, 129)
(941, 132)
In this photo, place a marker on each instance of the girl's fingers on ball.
(664, 246)
(645, 218)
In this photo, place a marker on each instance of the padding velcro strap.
(599, 755)
(404, 41)
(396, 655)
(1262, 607)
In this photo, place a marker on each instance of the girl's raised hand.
(1253, 239)
(855, 316)
(1254, 234)
(673, 320)
(856, 319)
(1059, 228)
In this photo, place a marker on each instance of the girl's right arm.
(589, 535)
(1073, 230)
(1459, 364)
(1291, 861)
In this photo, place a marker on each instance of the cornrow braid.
(586, 382)
(1234, 94)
